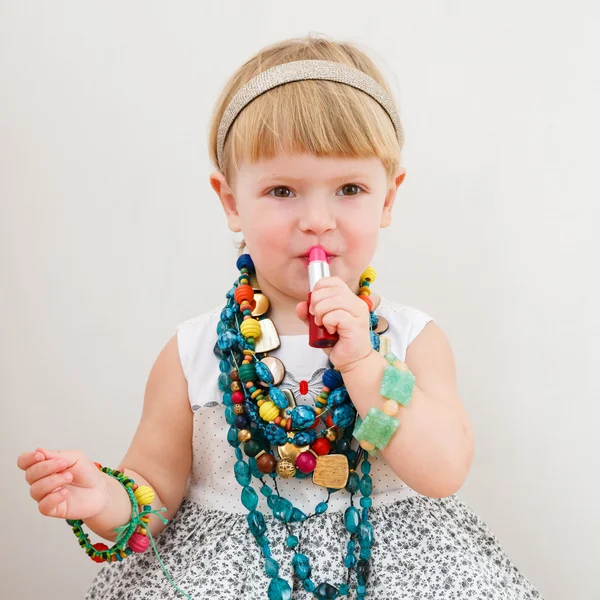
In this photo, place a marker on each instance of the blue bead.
(271, 567)
(365, 515)
(227, 401)
(303, 417)
(351, 519)
(361, 590)
(263, 372)
(231, 292)
(374, 320)
(343, 415)
(242, 422)
(332, 379)
(344, 589)
(273, 501)
(265, 490)
(224, 366)
(266, 551)
(352, 457)
(249, 498)
(262, 541)
(297, 515)
(291, 541)
(304, 438)
(321, 507)
(239, 454)
(366, 502)
(278, 397)
(375, 341)
(352, 483)
(232, 437)
(325, 591)
(362, 571)
(245, 260)
(350, 546)
(221, 327)
(228, 339)
(256, 472)
(284, 509)
(365, 467)
(308, 585)
(279, 589)
(230, 416)
(256, 522)
(365, 553)
(224, 382)
(301, 565)
(276, 434)
(366, 485)
(242, 473)
(350, 561)
(227, 314)
(365, 535)
(338, 397)
(252, 410)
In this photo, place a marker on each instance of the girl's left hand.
(339, 309)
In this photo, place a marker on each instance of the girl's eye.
(351, 189)
(281, 189)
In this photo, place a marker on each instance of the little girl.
(339, 408)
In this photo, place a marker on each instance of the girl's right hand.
(66, 484)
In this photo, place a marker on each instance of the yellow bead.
(250, 329)
(145, 519)
(369, 275)
(143, 530)
(268, 411)
(260, 402)
(318, 410)
(283, 422)
(366, 445)
(144, 495)
(364, 290)
(400, 365)
(390, 407)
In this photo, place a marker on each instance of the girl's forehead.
(302, 165)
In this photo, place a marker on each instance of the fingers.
(44, 468)
(47, 485)
(354, 306)
(54, 504)
(27, 459)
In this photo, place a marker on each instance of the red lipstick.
(318, 267)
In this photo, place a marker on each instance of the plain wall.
(111, 235)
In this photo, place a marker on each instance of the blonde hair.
(320, 117)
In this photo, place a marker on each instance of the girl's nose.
(316, 216)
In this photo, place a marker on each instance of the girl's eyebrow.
(355, 175)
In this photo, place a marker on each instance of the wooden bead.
(366, 445)
(238, 409)
(266, 463)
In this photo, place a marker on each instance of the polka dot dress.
(423, 547)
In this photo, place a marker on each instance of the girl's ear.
(386, 214)
(221, 187)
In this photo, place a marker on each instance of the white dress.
(423, 548)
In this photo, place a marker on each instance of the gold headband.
(297, 71)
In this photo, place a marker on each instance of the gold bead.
(244, 435)
(390, 407)
(366, 445)
(238, 409)
(235, 386)
(331, 435)
(286, 468)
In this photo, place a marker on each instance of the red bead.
(306, 462)
(321, 446)
(329, 421)
(138, 542)
(100, 547)
(317, 420)
(237, 397)
(304, 387)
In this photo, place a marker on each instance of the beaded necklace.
(260, 415)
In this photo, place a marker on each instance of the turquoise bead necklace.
(245, 406)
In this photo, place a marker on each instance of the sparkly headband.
(297, 71)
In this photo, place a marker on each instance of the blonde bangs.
(320, 117)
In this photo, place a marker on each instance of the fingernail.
(38, 457)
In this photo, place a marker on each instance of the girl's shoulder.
(405, 321)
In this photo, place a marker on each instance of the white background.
(110, 235)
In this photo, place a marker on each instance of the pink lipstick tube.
(318, 267)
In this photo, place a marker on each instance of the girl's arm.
(433, 448)
(160, 454)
